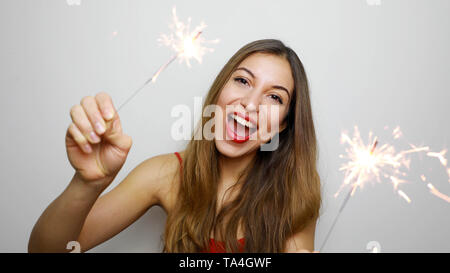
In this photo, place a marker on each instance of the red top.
(215, 246)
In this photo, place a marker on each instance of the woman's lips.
(231, 132)
(246, 117)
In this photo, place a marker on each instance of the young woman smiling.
(225, 194)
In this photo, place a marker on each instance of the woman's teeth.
(242, 121)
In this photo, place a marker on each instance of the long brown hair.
(280, 189)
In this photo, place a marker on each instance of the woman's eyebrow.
(246, 70)
(274, 86)
(282, 88)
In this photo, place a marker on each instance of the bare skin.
(97, 149)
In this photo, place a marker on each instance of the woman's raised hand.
(96, 146)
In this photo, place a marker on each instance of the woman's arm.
(62, 220)
(138, 192)
(302, 241)
(77, 215)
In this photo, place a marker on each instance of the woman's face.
(254, 102)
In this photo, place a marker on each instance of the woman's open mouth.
(239, 128)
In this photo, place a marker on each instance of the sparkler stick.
(152, 79)
(155, 76)
(344, 203)
(350, 193)
(186, 45)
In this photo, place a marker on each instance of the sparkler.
(367, 163)
(186, 44)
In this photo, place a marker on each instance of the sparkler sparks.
(402, 194)
(434, 191)
(368, 163)
(440, 156)
(186, 44)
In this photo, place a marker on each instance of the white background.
(371, 64)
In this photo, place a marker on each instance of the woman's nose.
(250, 102)
(250, 107)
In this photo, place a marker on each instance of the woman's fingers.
(79, 117)
(92, 111)
(105, 105)
(96, 118)
(79, 138)
(116, 137)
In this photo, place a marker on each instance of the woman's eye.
(277, 98)
(241, 80)
(245, 82)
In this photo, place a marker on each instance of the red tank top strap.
(180, 160)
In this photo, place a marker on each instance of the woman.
(221, 194)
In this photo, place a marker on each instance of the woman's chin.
(229, 148)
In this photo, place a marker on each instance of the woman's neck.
(231, 167)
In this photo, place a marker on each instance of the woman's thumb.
(116, 137)
(116, 126)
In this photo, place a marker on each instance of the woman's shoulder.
(163, 172)
(164, 163)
